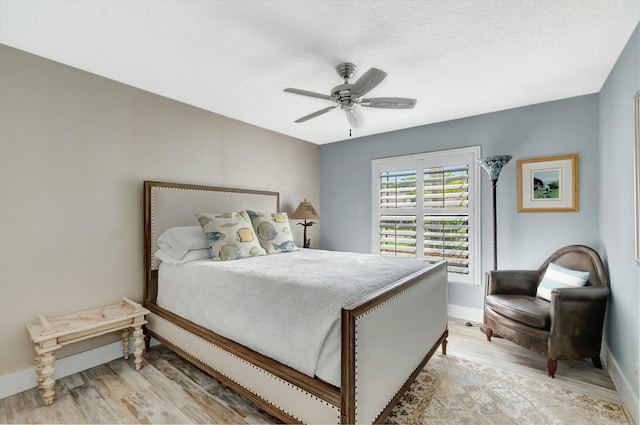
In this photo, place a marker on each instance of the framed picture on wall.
(636, 170)
(548, 184)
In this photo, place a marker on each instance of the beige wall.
(74, 150)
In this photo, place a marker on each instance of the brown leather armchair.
(568, 327)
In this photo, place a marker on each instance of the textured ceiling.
(232, 57)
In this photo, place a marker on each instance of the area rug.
(452, 390)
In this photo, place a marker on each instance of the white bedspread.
(285, 306)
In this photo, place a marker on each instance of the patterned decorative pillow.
(230, 235)
(560, 277)
(274, 231)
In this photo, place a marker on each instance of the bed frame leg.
(445, 335)
(147, 340)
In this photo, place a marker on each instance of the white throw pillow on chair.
(560, 277)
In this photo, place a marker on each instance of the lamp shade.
(493, 164)
(305, 211)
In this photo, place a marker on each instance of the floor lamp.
(493, 165)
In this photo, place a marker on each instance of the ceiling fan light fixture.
(346, 105)
(353, 117)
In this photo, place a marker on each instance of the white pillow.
(192, 255)
(560, 277)
(177, 241)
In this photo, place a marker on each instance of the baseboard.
(465, 313)
(625, 390)
(604, 354)
(22, 380)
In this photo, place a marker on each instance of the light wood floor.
(577, 375)
(169, 390)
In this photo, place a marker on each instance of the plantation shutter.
(424, 206)
(398, 216)
(446, 216)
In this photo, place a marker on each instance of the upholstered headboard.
(173, 204)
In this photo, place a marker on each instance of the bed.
(384, 337)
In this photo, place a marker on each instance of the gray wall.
(74, 150)
(617, 211)
(525, 240)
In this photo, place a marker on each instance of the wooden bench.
(50, 334)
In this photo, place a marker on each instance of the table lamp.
(305, 211)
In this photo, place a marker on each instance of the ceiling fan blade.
(354, 117)
(315, 114)
(389, 102)
(368, 81)
(308, 93)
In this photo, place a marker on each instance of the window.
(427, 206)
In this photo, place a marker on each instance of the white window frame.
(419, 162)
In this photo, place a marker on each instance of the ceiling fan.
(348, 95)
